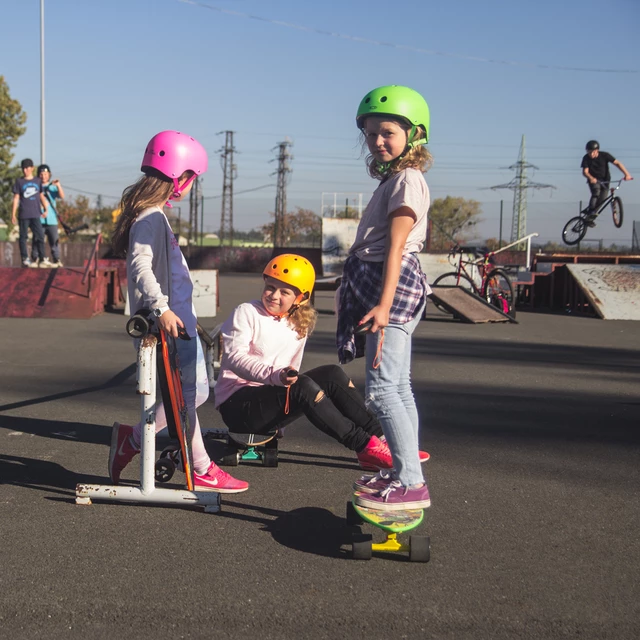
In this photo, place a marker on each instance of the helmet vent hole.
(383, 99)
(367, 101)
(285, 271)
(161, 153)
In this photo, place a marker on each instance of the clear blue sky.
(119, 71)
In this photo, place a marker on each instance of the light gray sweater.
(149, 262)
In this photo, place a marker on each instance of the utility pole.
(281, 192)
(519, 186)
(229, 173)
(42, 146)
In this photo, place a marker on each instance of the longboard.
(170, 383)
(252, 446)
(392, 523)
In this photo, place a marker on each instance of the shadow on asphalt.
(42, 475)
(115, 381)
(307, 529)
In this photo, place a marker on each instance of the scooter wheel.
(164, 469)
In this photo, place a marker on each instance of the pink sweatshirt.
(256, 347)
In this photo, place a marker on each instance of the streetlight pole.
(42, 150)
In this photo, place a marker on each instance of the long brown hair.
(152, 189)
(415, 158)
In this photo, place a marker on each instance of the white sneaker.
(45, 263)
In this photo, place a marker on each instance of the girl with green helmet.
(383, 283)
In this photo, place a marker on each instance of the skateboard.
(251, 447)
(392, 523)
(170, 384)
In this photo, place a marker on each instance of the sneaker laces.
(393, 485)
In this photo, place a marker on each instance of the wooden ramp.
(468, 306)
(57, 293)
(613, 290)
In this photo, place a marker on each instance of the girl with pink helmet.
(158, 279)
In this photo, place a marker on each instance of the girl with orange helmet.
(259, 389)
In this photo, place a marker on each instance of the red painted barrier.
(57, 293)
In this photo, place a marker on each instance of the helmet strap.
(178, 188)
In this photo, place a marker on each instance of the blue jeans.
(389, 395)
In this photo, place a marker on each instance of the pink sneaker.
(375, 456)
(423, 455)
(216, 479)
(373, 484)
(122, 450)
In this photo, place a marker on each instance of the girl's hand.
(380, 317)
(286, 376)
(169, 323)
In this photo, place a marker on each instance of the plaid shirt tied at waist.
(360, 291)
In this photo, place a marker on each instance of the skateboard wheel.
(353, 519)
(419, 549)
(231, 459)
(270, 456)
(164, 469)
(361, 546)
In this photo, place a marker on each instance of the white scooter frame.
(147, 492)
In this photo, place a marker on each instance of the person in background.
(53, 191)
(28, 204)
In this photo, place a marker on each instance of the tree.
(450, 218)
(302, 228)
(75, 211)
(12, 120)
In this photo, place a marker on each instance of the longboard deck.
(393, 521)
(251, 439)
(175, 406)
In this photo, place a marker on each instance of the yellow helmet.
(295, 271)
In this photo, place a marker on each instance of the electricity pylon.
(519, 186)
(228, 175)
(281, 192)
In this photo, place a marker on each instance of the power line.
(402, 47)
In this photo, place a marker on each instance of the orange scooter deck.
(170, 383)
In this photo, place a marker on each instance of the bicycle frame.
(606, 202)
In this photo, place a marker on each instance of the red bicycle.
(478, 276)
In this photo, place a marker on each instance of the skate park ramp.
(57, 293)
(468, 306)
(613, 290)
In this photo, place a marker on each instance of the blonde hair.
(151, 190)
(417, 157)
(303, 320)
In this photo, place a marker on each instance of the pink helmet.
(172, 153)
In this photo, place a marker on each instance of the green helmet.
(398, 101)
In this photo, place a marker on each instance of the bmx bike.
(576, 228)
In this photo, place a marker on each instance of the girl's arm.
(141, 272)
(237, 335)
(401, 222)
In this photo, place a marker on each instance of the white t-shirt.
(407, 188)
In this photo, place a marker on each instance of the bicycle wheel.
(574, 230)
(452, 280)
(617, 210)
(498, 292)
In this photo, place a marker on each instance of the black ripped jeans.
(340, 413)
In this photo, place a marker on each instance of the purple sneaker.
(373, 483)
(396, 498)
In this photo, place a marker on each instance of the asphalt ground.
(534, 435)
